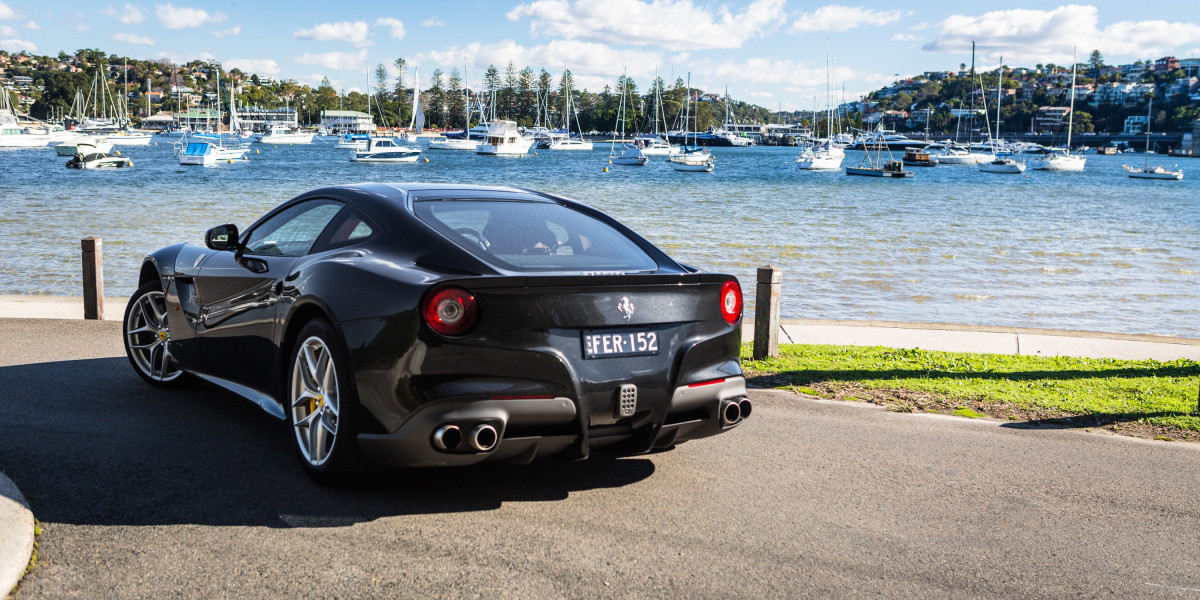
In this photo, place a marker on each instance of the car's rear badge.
(626, 307)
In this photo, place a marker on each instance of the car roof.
(390, 196)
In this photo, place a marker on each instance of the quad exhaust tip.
(484, 438)
(735, 411)
(447, 437)
(730, 412)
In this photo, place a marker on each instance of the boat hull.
(819, 163)
(869, 172)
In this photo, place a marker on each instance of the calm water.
(1086, 251)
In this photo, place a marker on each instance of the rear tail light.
(450, 311)
(731, 301)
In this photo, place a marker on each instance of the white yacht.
(654, 145)
(453, 143)
(816, 157)
(953, 154)
(1002, 164)
(504, 138)
(1058, 160)
(278, 134)
(571, 143)
(693, 159)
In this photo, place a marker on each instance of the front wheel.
(147, 336)
(322, 409)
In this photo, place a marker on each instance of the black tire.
(146, 333)
(322, 408)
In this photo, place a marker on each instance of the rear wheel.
(147, 336)
(321, 408)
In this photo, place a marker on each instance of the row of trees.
(524, 95)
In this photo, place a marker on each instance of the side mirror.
(222, 237)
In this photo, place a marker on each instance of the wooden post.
(93, 278)
(766, 312)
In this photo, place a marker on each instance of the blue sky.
(771, 52)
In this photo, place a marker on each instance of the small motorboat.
(386, 150)
(98, 160)
(919, 157)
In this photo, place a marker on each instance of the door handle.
(255, 265)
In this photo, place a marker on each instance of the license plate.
(619, 342)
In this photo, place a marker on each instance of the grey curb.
(16, 535)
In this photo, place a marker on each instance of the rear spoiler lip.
(587, 281)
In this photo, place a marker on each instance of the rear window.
(534, 236)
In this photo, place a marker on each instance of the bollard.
(766, 312)
(93, 278)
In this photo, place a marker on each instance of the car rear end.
(586, 337)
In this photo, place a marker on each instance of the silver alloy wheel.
(314, 395)
(148, 337)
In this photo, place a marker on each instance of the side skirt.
(262, 399)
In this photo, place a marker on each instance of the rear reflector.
(709, 382)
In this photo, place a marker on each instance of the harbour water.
(1094, 251)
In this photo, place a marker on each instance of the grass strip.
(1144, 398)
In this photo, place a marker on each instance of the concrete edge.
(16, 535)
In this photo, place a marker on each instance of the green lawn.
(1145, 397)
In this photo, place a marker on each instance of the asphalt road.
(147, 493)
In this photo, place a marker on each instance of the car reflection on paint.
(442, 325)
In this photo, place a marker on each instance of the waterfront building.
(199, 119)
(1135, 124)
(1166, 63)
(1190, 66)
(338, 122)
(256, 118)
(1051, 118)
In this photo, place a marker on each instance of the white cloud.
(129, 38)
(18, 45)
(314, 80)
(237, 30)
(33, 25)
(129, 14)
(178, 58)
(7, 13)
(433, 23)
(922, 26)
(396, 25)
(836, 17)
(764, 95)
(904, 37)
(178, 17)
(342, 61)
(6, 31)
(81, 29)
(1029, 36)
(345, 31)
(592, 65)
(256, 66)
(640, 23)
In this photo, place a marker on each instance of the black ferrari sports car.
(437, 325)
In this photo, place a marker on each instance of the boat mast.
(999, 86)
(1146, 153)
(1071, 113)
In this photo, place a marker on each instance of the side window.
(293, 231)
(349, 227)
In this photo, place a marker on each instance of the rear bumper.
(549, 428)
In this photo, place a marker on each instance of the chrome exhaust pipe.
(484, 438)
(744, 405)
(447, 437)
(730, 412)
